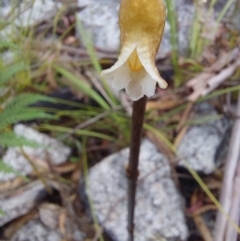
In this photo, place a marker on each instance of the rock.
(54, 217)
(100, 19)
(200, 144)
(49, 214)
(159, 207)
(3, 3)
(34, 230)
(21, 202)
(53, 151)
(31, 13)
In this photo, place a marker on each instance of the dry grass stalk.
(180, 136)
(163, 105)
(217, 80)
(185, 116)
(204, 209)
(231, 233)
(202, 228)
(227, 192)
(36, 170)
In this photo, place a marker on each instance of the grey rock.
(200, 144)
(50, 216)
(159, 207)
(4, 3)
(21, 202)
(53, 151)
(29, 13)
(34, 230)
(100, 19)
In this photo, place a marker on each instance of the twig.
(204, 209)
(185, 116)
(180, 136)
(202, 228)
(132, 169)
(215, 81)
(230, 170)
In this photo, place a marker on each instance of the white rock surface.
(28, 13)
(159, 207)
(21, 202)
(100, 20)
(53, 151)
(200, 143)
(34, 230)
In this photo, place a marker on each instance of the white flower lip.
(136, 83)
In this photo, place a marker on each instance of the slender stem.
(132, 170)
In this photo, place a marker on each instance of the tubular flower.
(141, 27)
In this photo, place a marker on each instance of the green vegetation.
(35, 69)
(22, 85)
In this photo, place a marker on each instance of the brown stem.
(132, 169)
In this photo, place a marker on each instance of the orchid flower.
(141, 27)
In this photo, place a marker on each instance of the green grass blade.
(82, 86)
(172, 18)
(88, 192)
(212, 3)
(90, 49)
(161, 136)
(225, 9)
(78, 132)
(218, 93)
(195, 32)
